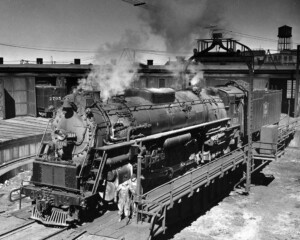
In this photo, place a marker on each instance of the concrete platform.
(20, 137)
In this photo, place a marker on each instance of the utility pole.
(296, 106)
(249, 128)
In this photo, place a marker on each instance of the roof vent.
(77, 61)
(39, 61)
(149, 62)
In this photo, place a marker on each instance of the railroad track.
(32, 230)
(16, 229)
(18, 162)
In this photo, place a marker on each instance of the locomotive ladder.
(87, 155)
(97, 171)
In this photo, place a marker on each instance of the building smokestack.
(39, 61)
(217, 35)
(149, 62)
(77, 61)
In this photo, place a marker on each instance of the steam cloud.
(180, 22)
(112, 78)
(130, 39)
(198, 79)
(109, 79)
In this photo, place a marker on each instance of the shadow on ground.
(257, 179)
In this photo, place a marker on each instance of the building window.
(162, 83)
(290, 89)
(147, 82)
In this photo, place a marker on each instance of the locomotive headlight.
(83, 203)
(60, 135)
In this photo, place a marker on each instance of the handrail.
(172, 193)
(20, 195)
(159, 135)
(13, 161)
(19, 190)
(99, 173)
(38, 152)
(86, 156)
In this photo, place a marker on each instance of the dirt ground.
(7, 186)
(271, 210)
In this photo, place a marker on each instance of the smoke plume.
(114, 68)
(109, 79)
(180, 22)
(198, 79)
(123, 49)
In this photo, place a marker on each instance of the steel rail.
(16, 229)
(55, 233)
(78, 235)
(17, 160)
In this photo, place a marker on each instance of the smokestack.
(77, 61)
(39, 61)
(217, 35)
(149, 62)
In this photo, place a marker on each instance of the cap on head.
(133, 177)
(66, 104)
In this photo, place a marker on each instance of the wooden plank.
(33, 119)
(23, 123)
(9, 128)
(107, 226)
(5, 125)
(18, 124)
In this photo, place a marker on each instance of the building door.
(19, 96)
(162, 83)
(2, 100)
(31, 96)
(288, 93)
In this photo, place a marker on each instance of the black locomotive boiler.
(96, 145)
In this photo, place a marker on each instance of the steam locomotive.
(97, 145)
